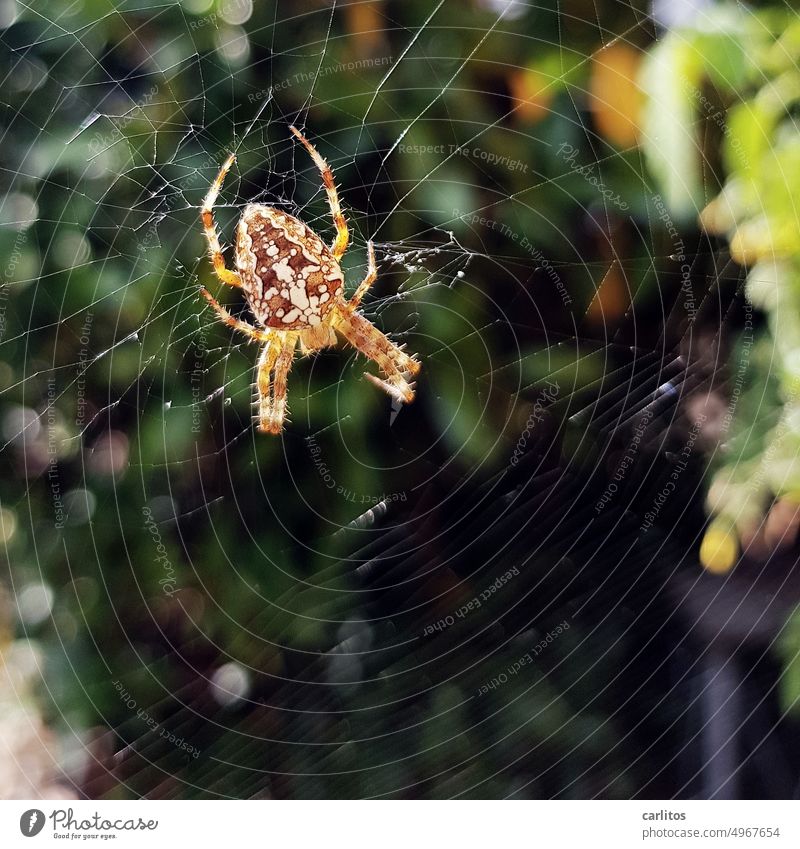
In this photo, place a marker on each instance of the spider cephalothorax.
(294, 286)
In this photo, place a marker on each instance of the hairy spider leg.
(229, 278)
(392, 360)
(372, 276)
(313, 339)
(342, 234)
(235, 323)
(271, 380)
(266, 362)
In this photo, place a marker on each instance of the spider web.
(271, 606)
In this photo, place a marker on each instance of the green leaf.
(671, 75)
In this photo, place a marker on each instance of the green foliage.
(133, 110)
(739, 76)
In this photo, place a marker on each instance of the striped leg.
(229, 278)
(235, 323)
(392, 361)
(271, 381)
(372, 276)
(342, 234)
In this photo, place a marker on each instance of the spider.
(294, 287)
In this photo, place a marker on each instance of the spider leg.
(392, 360)
(266, 362)
(342, 234)
(276, 357)
(229, 278)
(235, 323)
(372, 275)
(313, 339)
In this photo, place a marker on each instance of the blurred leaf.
(616, 99)
(671, 74)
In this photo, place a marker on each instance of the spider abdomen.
(289, 275)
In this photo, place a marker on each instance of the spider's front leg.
(229, 278)
(271, 380)
(392, 360)
(342, 234)
(372, 276)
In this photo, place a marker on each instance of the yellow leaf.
(719, 549)
(533, 92)
(614, 95)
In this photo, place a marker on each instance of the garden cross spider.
(294, 287)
